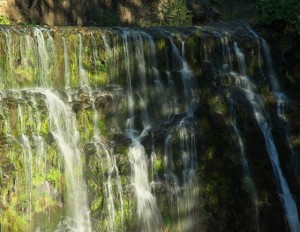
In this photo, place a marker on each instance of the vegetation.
(173, 13)
(4, 20)
(103, 13)
(222, 191)
(280, 14)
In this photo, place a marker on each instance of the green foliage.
(282, 14)
(12, 220)
(54, 177)
(173, 13)
(4, 20)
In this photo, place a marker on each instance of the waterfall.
(28, 131)
(288, 202)
(43, 57)
(27, 157)
(142, 129)
(147, 210)
(83, 78)
(66, 64)
(248, 180)
(112, 191)
(63, 128)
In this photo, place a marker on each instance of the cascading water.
(113, 190)
(64, 130)
(66, 65)
(27, 156)
(83, 78)
(187, 147)
(248, 180)
(288, 202)
(116, 129)
(147, 210)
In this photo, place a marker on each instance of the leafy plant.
(173, 13)
(282, 14)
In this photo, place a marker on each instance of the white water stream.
(286, 197)
(64, 130)
(147, 210)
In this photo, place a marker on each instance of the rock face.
(203, 13)
(159, 129)
(90, 13)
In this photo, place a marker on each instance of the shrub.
(282, 14)
(173, 13)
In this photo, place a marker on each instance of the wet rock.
(203, 13)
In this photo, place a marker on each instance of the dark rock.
(203, 13)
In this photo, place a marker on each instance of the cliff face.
(48, 12)
(169, 128)
(100, 13)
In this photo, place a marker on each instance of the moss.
(11, 220)
(4, 20)
(44, 129)
(217, 105)
(161, 44)
(73, 59)
(99, 79)
(167, 223)
(97, 172)
(102, 127)
(55, 177)
(85, 121)
(159, 165)
(25, 75)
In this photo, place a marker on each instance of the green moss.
(38, 179)
(44, 130)
(25, 75)
(4, 20)
(85, 120)
(96, 204)
(161, 44)
(54, 176)
(217, 105)
(12, 220)
(159, 165)
(168, 223)
(102, 127)
(73, 59)
(98, 79)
